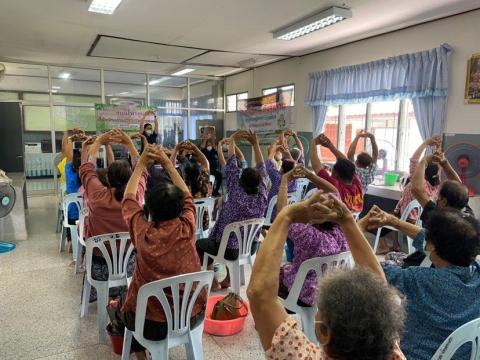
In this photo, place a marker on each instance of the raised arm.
(162, 159)
(110, 155)
(326, 142)
(221, 157)
(450, 173)
(433, 141)
(418, 183)
(314, 158)
(282, 199)
(374, 146)
(321, 184)
(252, 138)
(144, 162)
(199, 155)
(294, 135)
(239, 153)
(353, 148)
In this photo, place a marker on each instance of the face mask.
(278, 157)
(148, 132)
(209, 148)
(224, 147)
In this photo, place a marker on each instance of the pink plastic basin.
(222, 327)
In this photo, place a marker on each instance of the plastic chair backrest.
(116, 258)
(301, 188)
(210, 203)
(81, 225)
(200, 208)
(212, 180)
(246, 232)
(178, 318)
(292, 198)
(321, 265)
(412, 205)
(467, 333)
(73, 198)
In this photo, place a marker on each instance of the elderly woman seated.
(160, 242)
(443, 297)
(359, 316)
(307, 241)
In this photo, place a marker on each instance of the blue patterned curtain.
(421, 76)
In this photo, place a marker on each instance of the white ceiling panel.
(138, 50)
(235, 59)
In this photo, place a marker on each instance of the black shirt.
(212, 158)
(151, 139)
(430, 206)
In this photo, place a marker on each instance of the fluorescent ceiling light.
(104, 6)
(183, 72)
(64, 75)
(313, 23)
(55, 87)
(54, 91)
(157, 81)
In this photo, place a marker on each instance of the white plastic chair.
(467, 333)
(321, 265)
(77, 200)
(310, 193)
(212, 180)
(413, 205)
(117, 261)
(292, 199)
(301, 188)
(210, 201)
(178, 318)
(81, 238)
(200, 209)
(246, 232)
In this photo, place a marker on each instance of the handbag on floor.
(229, 308)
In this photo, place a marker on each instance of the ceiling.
(215, 37)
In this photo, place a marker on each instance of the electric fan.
(465, 159)
(7, 201)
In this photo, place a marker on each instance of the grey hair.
(365, 316)
(295, 152)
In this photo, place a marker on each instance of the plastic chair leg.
(78, 258)
(75, 244)
(234, 269)
(194, 347)
(159, 352)
(63, 239)
(59, 221)
(85, 298)
(242, 274)
(102, 300)
(127, 343)
(205, 262)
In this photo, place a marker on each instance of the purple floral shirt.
(310, 242)
(275, 181)
(240, 205)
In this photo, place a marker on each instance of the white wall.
(462, 32)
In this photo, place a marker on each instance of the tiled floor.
(40, 302)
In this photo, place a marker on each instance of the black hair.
(250, 180)
(364, 159)
(164, 201)
(455, 193)
(345, 169)
(147, 124)
(456, 236)
(76, 160)
(118, 174)
(431, 174)
(287, 165)
(193, 171)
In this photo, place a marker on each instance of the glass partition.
(206, 94)
(75, 81)
(122, 88)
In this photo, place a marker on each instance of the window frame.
(236, 101)
(401, 151)
(280, 87)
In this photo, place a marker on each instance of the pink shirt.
(289, 342)
(407, 195)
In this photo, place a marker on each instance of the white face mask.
(209, 148)
(278, 157)
(148, 132)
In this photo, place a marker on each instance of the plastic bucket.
(116, 340)
(222, 327)
(390, 178)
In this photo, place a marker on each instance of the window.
(392, 122)
(235, 102)
(286, 94)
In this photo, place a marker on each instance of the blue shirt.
(438, 301)
(72, 182)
